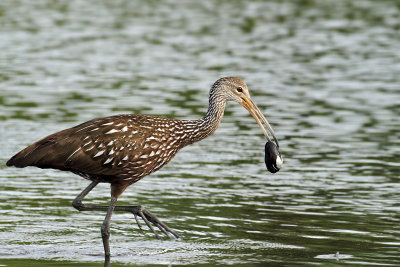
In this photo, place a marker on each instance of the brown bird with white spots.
(123, 149)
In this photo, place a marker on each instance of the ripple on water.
(324, 73)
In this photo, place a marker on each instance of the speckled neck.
(207, 125)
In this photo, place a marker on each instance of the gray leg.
(77, 202)
(105, 228)
(107, 261)
(138, 210)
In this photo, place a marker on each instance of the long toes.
(137, 222)
(162, 226)
(150, 219)
(167, 229)
(161, 229)
(149, 224)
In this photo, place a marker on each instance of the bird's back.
(122, 147)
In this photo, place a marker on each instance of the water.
(325, 73)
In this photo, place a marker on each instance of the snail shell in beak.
(273, 158)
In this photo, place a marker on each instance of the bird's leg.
(148, 218)
(77, 202)
(138, 210)
(105, 228)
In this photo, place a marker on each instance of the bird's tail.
(31, 155)
(45, 153)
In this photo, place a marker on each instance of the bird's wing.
(107, 146)
(97, 147)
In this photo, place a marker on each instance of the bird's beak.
(251, 107)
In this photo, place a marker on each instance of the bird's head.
(235, 89)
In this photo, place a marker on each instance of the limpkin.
(122, 149)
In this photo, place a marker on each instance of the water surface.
(326, 75)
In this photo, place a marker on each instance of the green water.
(325, 73)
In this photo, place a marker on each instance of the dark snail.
(273, 158)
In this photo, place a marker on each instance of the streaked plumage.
(119, 149)
(122, 149)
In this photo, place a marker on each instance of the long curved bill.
(252, 108)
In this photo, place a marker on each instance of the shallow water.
(325, 74)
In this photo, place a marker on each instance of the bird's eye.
(239, 89)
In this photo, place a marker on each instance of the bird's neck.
(207, 125)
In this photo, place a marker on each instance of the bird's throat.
(204, 127)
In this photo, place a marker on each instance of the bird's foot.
(150, 219)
